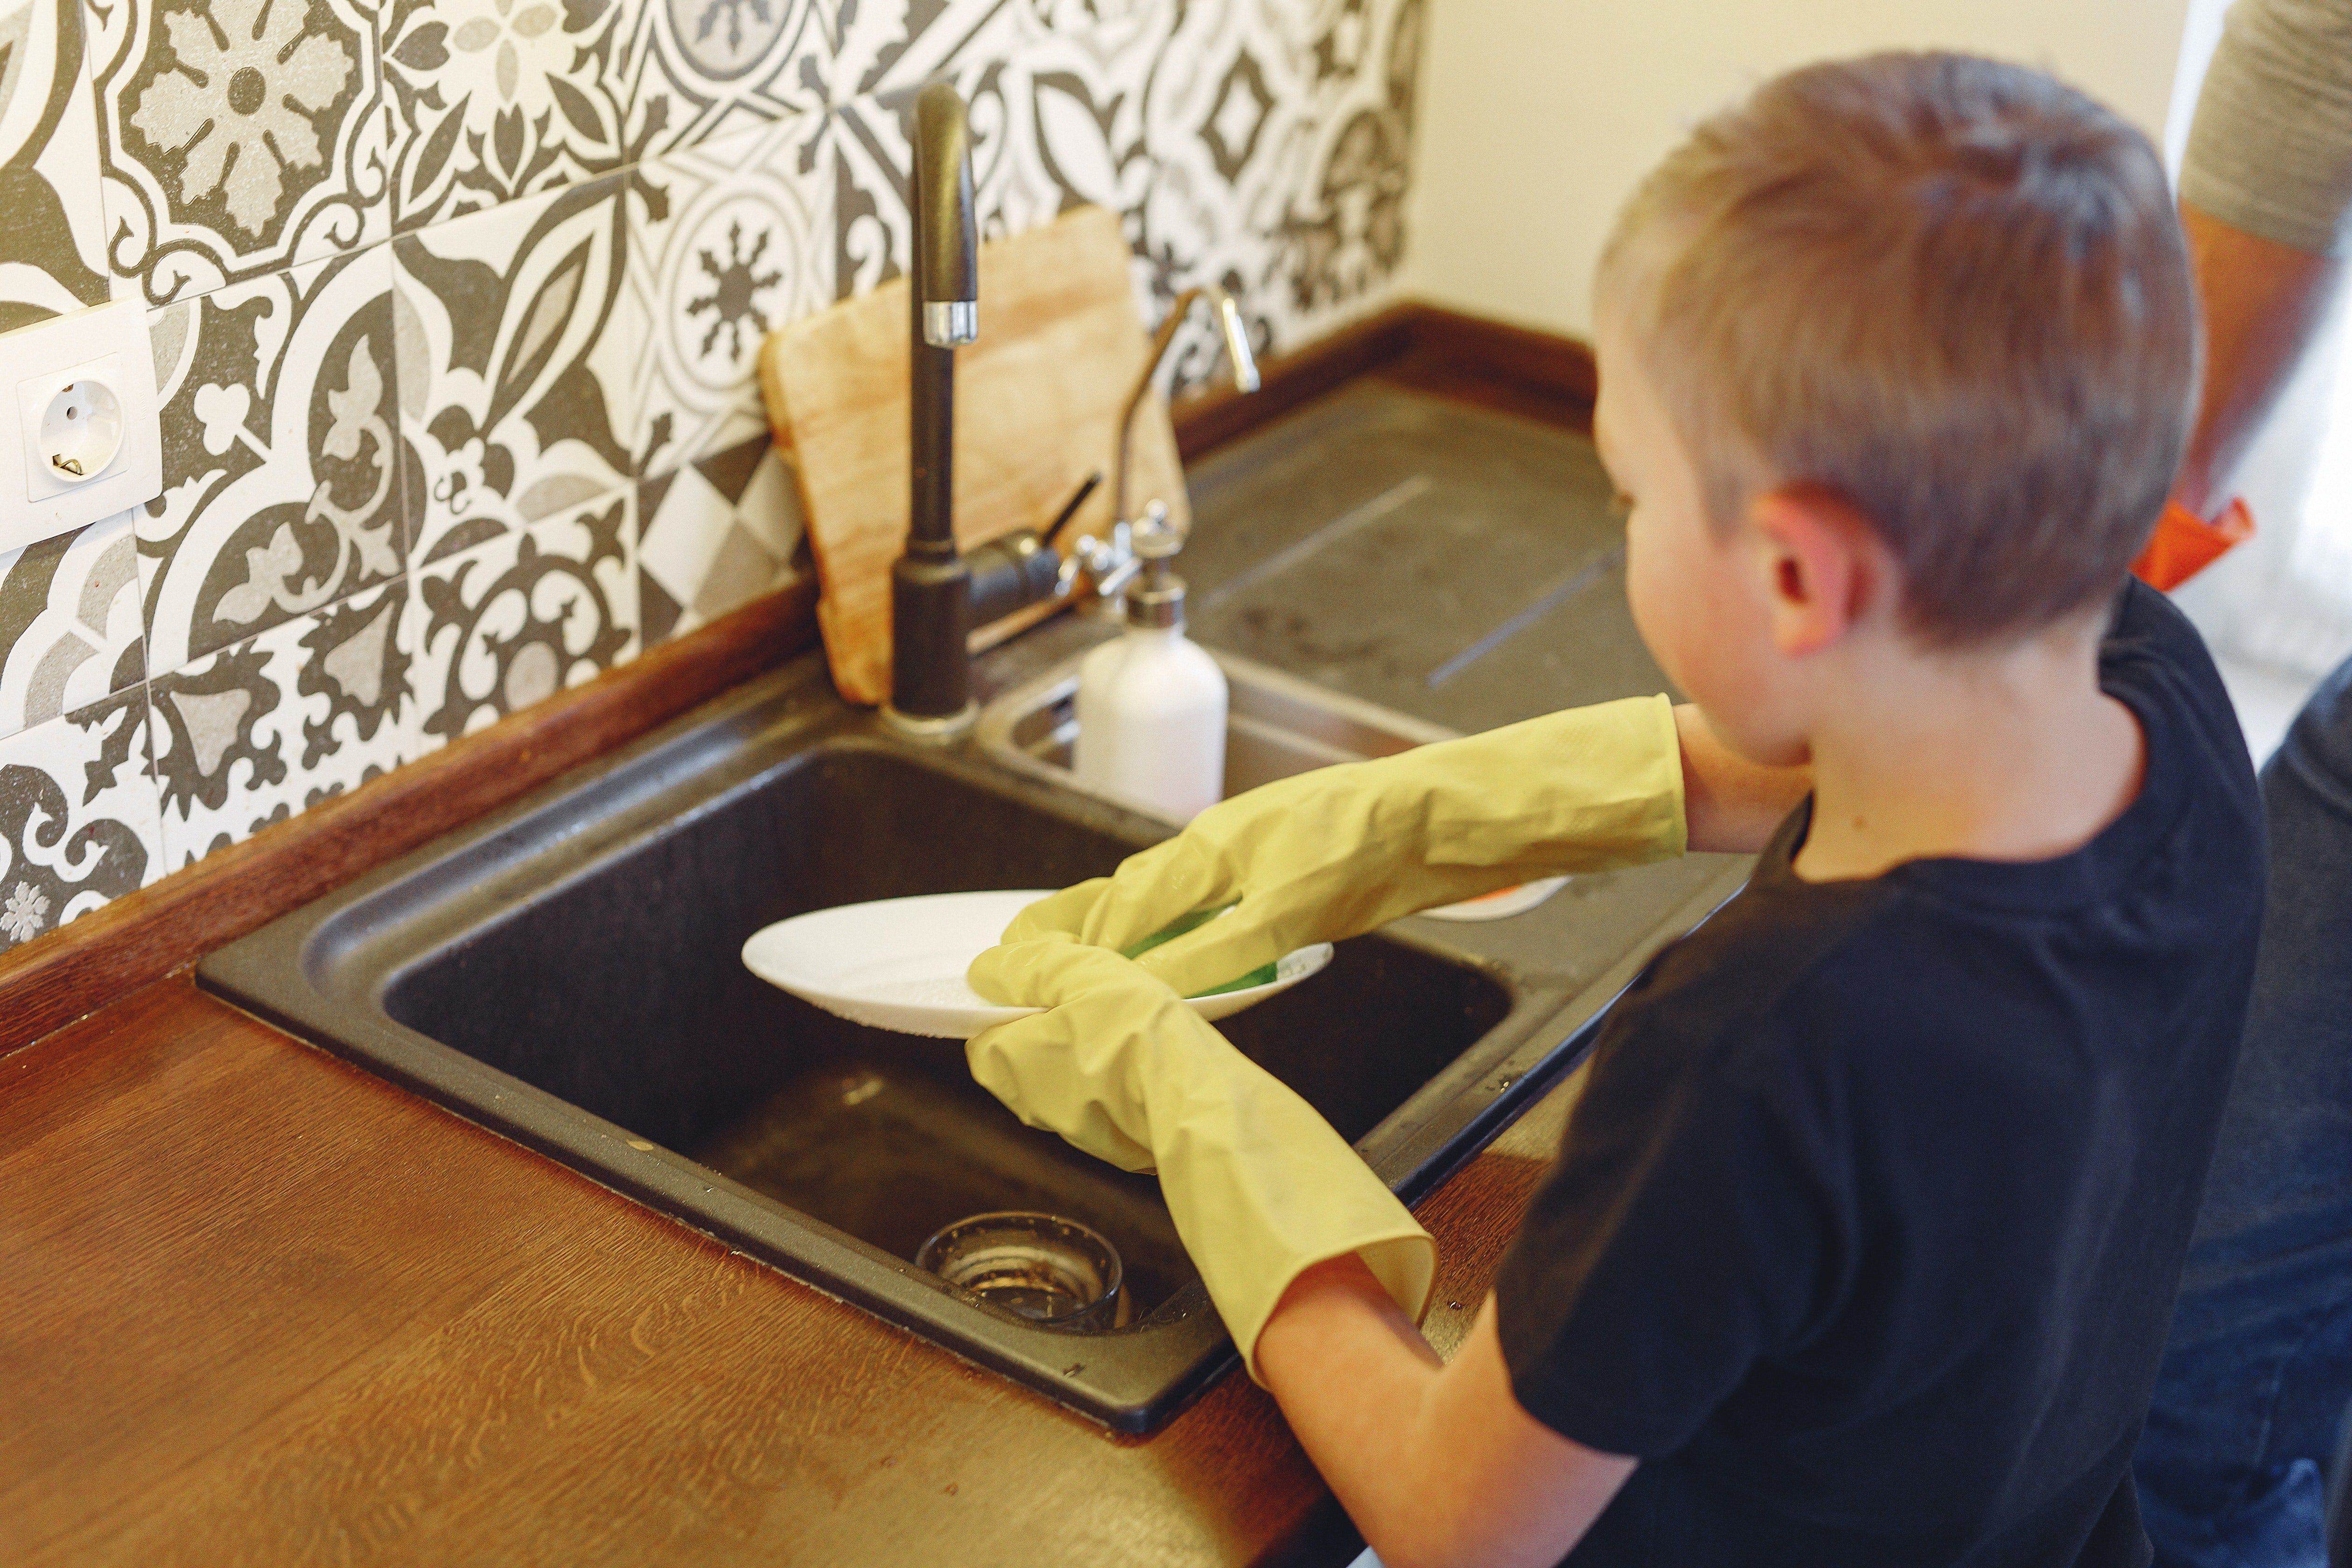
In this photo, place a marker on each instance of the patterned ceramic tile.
(77, 822)
(52, 257)
(1047, 106)
(1263, 147)
(1303, 115)
(494, 100)
(1276, 145)
(274, 725)
(281, 491)
(69, 623)
(238, 136)
(715, 535)
(504, 624)
(704, 70)
(734, 240)
(600, 206)
(894, 49)
(515, 400)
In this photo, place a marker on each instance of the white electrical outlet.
(89, 440)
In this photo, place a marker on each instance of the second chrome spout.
(1237, 349)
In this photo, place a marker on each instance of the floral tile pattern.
(895, 49)
(706, 69)
(1043, 121)
(456, 307)
(1277, 141)
(514, 398)
(1265, 147)
(1334, 146)
(78, 820)
(52, 255)
(514, 620)
(69, 623)
(277, 723)
(237, 137)
(281, 490)
(713, 535)
(493, 99)
(737, 242)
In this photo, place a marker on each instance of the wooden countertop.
(259, 1306)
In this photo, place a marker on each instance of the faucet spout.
(943, 283)
(947, 266)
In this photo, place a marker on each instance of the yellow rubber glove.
(1341, 850)
(1260, 1186)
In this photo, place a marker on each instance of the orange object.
(2185, 544)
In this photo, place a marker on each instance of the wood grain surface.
(1037, 405)
(144, 935)
(262, 1308)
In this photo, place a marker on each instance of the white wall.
(1537, 116)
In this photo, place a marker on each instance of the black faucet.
(936, 594)
(931, 585)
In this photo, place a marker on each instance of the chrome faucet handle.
(1107, 563)
(1133, 547)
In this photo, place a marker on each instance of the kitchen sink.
(566, 972)
(618, 990)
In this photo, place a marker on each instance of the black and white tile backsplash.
(456, 306)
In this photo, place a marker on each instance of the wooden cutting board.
(1037, 403)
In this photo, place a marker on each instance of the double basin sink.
(566, 973)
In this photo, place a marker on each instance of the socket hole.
(82, 430)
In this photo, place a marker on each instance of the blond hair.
(1951, 291)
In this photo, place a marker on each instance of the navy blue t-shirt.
(1864, 1233)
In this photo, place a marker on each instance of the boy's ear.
(1824, 566)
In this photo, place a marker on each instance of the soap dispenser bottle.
(1152, 704)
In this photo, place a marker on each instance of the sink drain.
(1046, 1268)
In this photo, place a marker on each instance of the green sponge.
(1262, 975)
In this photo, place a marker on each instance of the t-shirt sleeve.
(2271, 148)
(1688, 1230)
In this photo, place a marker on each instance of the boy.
(1862, 1239)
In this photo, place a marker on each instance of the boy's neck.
(2013, 754)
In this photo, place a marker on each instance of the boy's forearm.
(1729, 803)
(1358, 1427)
(1436, 1464)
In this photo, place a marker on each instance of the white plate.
(899, 964)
